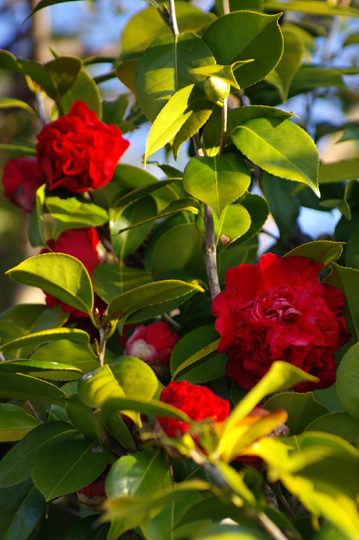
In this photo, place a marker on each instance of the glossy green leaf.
(36, 222)
(77, 355)
(145, 473)
(347, 380)
(313, 7)
(82, 418)
(135, 377)
(147, 25)
(89, 529)
(84, 89)
(25, 319)
(187, 204)
(320, 251)
(140, 192)
(278, 147)
(283, 73)
(338, 171)
(217, 181)
(21, 507)
(9, 103)
(17, 465)
(302, 409)
(61, 275)
(32, 340)
(69, 466)
(284, 205)
(347, 281)
(33, 366)
(15, 422)
(229, 46)
(258, 209)
(179, 247)
(232, 532)
(110, 281)
(197, 359)
(281, 376)
(73, 213)
(308, 77)
(225, 73)
(181, 117)
(117, 428)
(165, 68)
(149, 294)
(338, 423)
(96, 386)
(126, 72)
(126, 237)
(20, 386)
(212, 131)
(9, 62)
(234, 223)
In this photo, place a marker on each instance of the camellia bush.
(173, 385)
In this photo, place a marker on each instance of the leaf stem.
(173, 19)
(270, 527)
(33, 411)
(40, 107)
(224, 127)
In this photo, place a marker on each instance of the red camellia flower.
(21, 178)
(153, 344)
(78, 151)
(94, 495)
(82, 244)
(279, 310)
(198, 402)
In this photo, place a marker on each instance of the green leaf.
(73, 213)
(146, 472)
(126, 72)
(98, 385)
(212, 132)
(69, 466)
(234, 223)
(281, 376)
(320, 251)
(16, 465)
(164, 68)
(147, 25)
(88, 528)
(75, 354)
(282, 75)
(148, 295)
(20, 148)
(82, 418)
(110, 281)
(33, 366)
(9, 103)
(217, 181)
(126, 239)
(312, 7)
(338, 423)
(347, 281)
(229, 46)
(308, 77)
(347, 380)
(38, 338)
(19, 386)
(135, 377)
(181, 117)
(179, 247)
(225, 73)
(302, 409)
(36, 222)
(284, 205)
(45, 3)
(192, 346)
(61, 275)
(258, 209)
(15, 422)
(338, 171)
(84, 89)
(278, 147)
(9, 62)
(21, 507)
(232, 532)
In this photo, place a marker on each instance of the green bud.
(216, 89)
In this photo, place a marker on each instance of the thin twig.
(2, 358)
(40, 107)
(173, 18)
(171, 322)
(211, 252)
(270, 527)
(224, 127)
(226, 9)
(33, 411)
(101, 356)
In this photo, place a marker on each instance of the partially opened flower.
(78, 151)
(279, 310)
(21, 178)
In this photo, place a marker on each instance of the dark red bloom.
(153, 344)
(78, 151)
(279, 310)
(198, 402)
(82, 244)
(94, 495)
(21, 178)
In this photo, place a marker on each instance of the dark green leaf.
(15, 422)
(36, 222)
(338, 423)
(229, 46)
(84, 89)
(347, 382)
(19, 386)
(64, 350)
(30, 341)
(110, 281)
(284, 205)
(88, 528)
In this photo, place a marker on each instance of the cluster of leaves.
(61, 393)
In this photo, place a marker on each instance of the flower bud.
(94, 495)
(216, 89)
